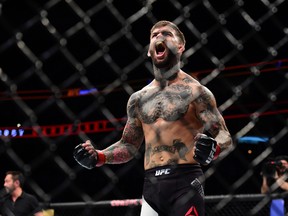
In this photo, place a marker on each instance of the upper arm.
(207, 112)
(132, 137)
(209, 115)
(133, 131)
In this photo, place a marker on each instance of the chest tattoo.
(170, 103)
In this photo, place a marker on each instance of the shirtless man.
(171, 114)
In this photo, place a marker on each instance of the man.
(17, 202)
(171, 114)
(275, 175)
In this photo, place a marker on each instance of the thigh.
(191, 202)
(147, 210)
(193, 206)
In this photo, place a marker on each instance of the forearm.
(119, 153)
(215, 125)
(282, 182)
(224, 139)
(284, 186)
(264, 186)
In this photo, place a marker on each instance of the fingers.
(199, 135)
(89, 148)
(87, 143)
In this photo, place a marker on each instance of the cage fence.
(67, 69)
(244, 204)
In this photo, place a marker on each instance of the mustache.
(159, 42)
(162, 42)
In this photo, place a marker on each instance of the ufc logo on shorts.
(162, 172)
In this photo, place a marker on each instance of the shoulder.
(200, 91)
(188, 78)
(204, 90)
(137, 95)
(191, 81)
(29, 196)
(32, 201)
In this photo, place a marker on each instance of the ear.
(181, 48)
(148, 54)
(17, 182)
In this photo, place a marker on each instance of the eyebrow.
(165, 31)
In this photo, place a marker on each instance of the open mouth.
(160, 48)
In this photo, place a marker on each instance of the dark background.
(50, 50)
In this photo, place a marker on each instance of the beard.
(9, 190)
(167, 62)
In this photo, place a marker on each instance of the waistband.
(169, 170)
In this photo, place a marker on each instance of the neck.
(166, 82)
(166, 74)
(16, 193)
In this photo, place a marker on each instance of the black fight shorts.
(174, 190)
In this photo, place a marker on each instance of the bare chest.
(169, 104)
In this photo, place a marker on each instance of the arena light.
(12, 132)
(87, 91)
(253, 140)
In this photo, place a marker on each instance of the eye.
(153, 35)
(166, 33)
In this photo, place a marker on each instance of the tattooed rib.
(178, 146)
(162, 148)
(148, 153)
(181, 148)
(169, 162)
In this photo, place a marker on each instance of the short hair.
(173, 26)
(17, 175)
(282, 157)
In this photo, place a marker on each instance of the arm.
(282, 182)
(264, 186)
(127, 147)
(34, 203)
(211, 118)
(120, 152)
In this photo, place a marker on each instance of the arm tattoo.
(117, 154)
(125, 149)
(132, 134)
(209, 115)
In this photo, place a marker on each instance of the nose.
(160, 36)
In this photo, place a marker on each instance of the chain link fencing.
(67, 69)
(224, 205)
